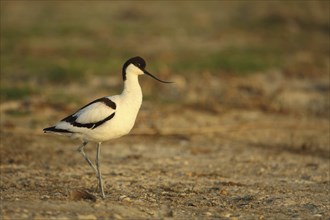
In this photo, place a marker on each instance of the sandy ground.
(257, 158)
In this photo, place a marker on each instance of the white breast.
(128, 105)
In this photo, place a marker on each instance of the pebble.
(96, 205)
(38, 216)
(61, 217)
(116, 216)
(208, 213)
(24, 215)
(227, 215)
(224, 192)
(57, 194)
(151, 200)
(87, 217)
(122, 197)
(165, 211)
(125, 198)
(76, 195)
(165, 193)
(44, 197)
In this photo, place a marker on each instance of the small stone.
(122, 197)
(227, 215)
(127, 199)
(96, 205)
(57, 194)
(224, 192)
(61, 217)
(24, 215)
(208, 213)
(191, 204)
(44, 197)
(165, 211)
(38, 217)
(152, 200)
(116, 216)
(87, 217)
(82, 195)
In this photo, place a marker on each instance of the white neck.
(132, 89)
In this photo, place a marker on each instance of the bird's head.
(137, 65)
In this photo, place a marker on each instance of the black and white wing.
(90, 116)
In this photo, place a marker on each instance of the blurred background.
(63, 52)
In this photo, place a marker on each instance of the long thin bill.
(149, 74)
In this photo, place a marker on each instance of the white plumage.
(108, 117)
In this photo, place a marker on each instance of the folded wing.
(90, 116)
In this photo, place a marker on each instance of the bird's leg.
(99, 176)
(81, 150)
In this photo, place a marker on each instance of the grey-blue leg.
(81, 150)
(99, 176)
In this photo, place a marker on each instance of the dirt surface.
(264, 156)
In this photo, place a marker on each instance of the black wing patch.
(105, 100)
(53, 129)
(72, 119)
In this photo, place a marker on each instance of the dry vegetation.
(242, 134)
